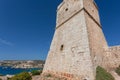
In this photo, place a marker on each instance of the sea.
(12, 71)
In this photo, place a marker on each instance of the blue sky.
(27, 26)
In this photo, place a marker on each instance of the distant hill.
(23, 63)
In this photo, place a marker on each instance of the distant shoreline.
(12, 71)
(23, 63)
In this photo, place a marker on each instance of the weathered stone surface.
(113, 57)
(79, 45)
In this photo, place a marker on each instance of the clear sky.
(27, 26)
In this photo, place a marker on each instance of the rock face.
(78, 45)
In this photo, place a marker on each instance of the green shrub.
(22, 76)
(8, 78)
(0, 79)
(36, 72)
(102, 74)
(117, 70)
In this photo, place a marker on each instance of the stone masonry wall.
(75, 57)
(96, 37)
(67, 9)
(114, 57)
(92, 9)
(79, 45)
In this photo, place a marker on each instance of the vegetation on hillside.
(36, 72)
(117, 70)
(102, 74)
(22, 76)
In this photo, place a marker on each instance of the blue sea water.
(13, 71)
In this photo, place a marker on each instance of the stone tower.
(78, 43)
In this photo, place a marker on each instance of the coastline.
(23, 63)
(9, 68)
(12, 71)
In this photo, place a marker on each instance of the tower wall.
(74, 59)
(78, 45)
(96, 41)
(96, 37)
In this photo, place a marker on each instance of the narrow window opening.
(66, 9)
(61, 48)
